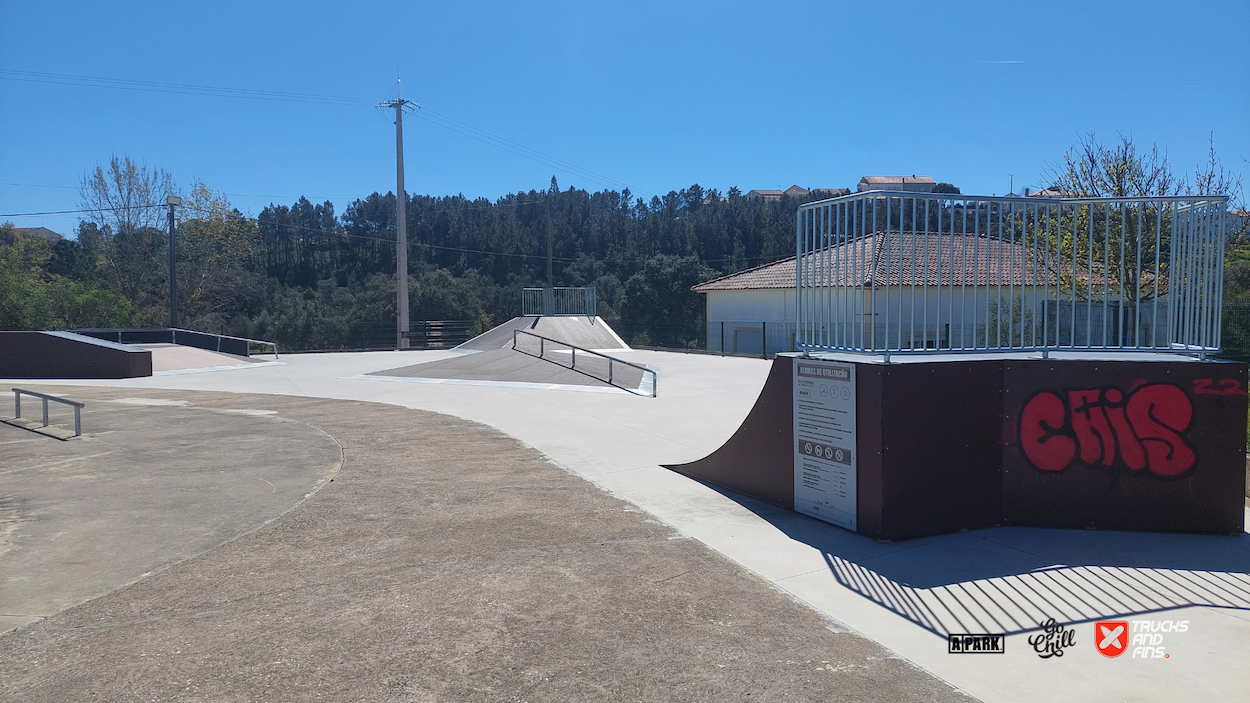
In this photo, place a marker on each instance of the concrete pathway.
(905, 596)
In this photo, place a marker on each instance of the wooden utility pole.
(550, 284)
(401, 226)
(173, 201)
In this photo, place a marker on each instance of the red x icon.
(1111, 637)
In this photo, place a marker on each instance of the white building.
(916, 184)
(885, 291)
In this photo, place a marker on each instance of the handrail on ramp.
(17, 407)
(542, 348)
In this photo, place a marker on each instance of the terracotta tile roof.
(952, 259)
(896, 179)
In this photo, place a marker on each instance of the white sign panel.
(825, 453)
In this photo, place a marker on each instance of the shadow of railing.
(1020, 602)
(1010, 579)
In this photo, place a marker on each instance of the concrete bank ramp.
(585, 332)
(176, 357)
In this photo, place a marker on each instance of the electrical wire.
(387, 240)
(445, 121)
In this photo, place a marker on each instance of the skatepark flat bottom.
(445, 561)
(506, 365)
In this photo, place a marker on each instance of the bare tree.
(126, 197)
(1093, 169)
(126, 202)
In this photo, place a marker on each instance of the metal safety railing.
(913, 273)
(548, 302)
(240, 346)
(543, 343)
(17, 407)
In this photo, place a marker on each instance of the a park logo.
(1111, 637)
(975, 644)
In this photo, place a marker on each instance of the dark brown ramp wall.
(951, 445)
(68, 355)
(758, 460)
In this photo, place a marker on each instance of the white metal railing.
(912, 273)
(548, 302)
(612, 361)
(17, 407)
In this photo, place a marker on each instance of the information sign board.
(825, 452)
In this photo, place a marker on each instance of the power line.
(388, 240)
(445, 121)
(72, 212)
(178, 88)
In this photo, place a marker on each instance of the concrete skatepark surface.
(150, 483)
(444, 561)
(903, 595)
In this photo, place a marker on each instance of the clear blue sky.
(658, 95)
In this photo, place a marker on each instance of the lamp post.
(172, 201)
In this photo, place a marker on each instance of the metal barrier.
(240, 346)
(548, 302)
(911, 273)
(17, 407)
(542, 348)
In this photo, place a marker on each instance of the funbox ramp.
(944, 446)
(585, 332)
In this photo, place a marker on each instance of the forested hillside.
(310, 278)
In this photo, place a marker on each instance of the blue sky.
(657, 95)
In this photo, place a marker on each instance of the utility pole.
(550, 283)
(401, 226)
(172, 201)
(1011, 187)
(549, 293)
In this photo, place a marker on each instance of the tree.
(1091, 169)
(216, 253)
(945, 188)
(126, 202)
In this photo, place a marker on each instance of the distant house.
(832, 192)
(796, 192)
(916, 184)
(968, 275)
(39, 232)
(763, 194)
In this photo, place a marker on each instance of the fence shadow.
(1009, 579)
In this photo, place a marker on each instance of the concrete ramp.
(585, 332)
(512, 368)
(175, 357)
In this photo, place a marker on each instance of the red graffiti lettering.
(1144, 429)
(1228, 386)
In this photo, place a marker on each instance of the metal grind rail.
(17, 407)
(928, 273)
(542, 349)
